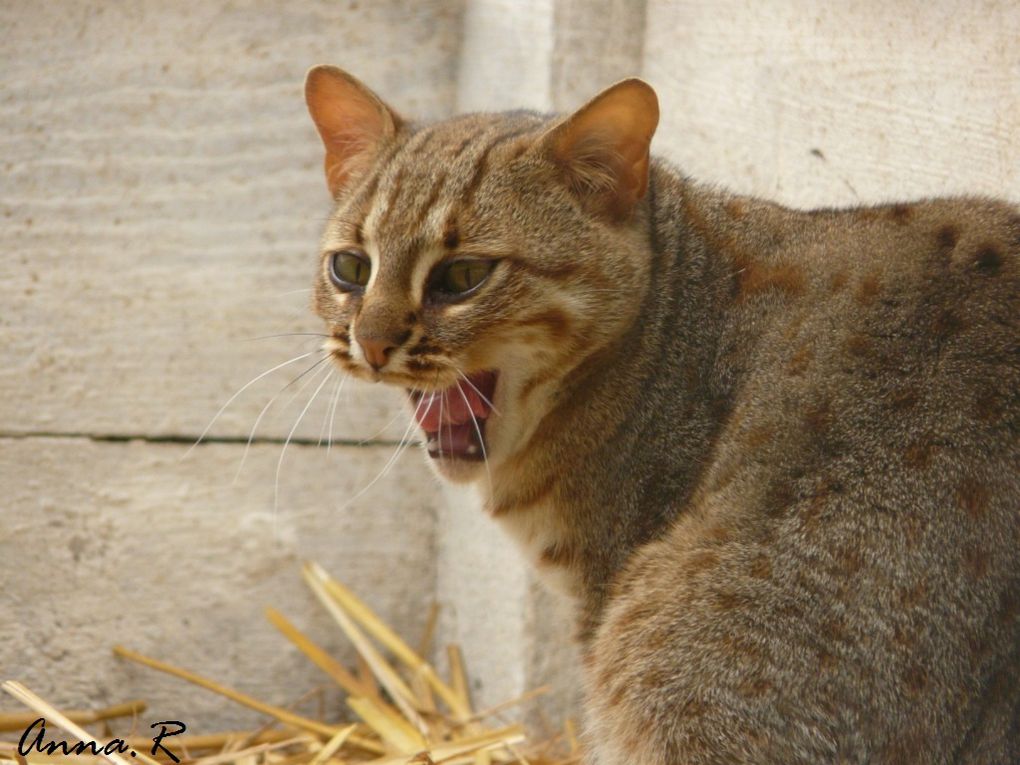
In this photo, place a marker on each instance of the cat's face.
(463, 265)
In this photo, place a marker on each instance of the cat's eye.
(459, 278)
(349, 270)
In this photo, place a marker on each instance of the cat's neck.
(615, 459)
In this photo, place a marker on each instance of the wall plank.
(163, 198)
(133, 543)
(898, 99)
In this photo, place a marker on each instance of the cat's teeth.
(472, 449)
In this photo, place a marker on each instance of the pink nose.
(376, 351)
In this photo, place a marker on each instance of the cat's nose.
(380, 329)
(376, 351)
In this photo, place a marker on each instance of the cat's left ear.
(603, 147)
(353, 122)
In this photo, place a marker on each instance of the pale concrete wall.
(902, 99)
(161, 201)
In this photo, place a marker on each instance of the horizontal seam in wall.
(190, 440)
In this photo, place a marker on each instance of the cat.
(772, 455)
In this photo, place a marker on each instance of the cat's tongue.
(455, 405)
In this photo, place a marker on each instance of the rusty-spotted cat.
(773, 455)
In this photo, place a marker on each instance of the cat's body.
(773, 455)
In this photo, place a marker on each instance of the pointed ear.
(603, 147)
(352, 120)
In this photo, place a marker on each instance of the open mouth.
(454, 418)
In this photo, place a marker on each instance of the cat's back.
(944, 253)
(848, 570)
(907, 313)
(886, 318)
(905, 341)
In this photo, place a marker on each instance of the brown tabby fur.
(773, 454)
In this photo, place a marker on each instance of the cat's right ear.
(352, 121)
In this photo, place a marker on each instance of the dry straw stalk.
(405, 712)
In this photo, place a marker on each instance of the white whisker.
(481, 441)
(381, 430)
(325, 415)
(241, 390)
(480, 394)
(402, 446)
(283, 452)
(442, 401)
(286, 334)
(251, 435)
(298, 392)
(332, 413)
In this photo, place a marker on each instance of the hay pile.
(406, 713)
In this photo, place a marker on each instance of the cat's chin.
(456, 470)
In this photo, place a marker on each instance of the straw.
(405, 712)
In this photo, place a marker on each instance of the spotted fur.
(773, 455)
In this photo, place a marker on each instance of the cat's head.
(477, 261)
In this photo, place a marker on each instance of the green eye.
(349, 270)
(462, 276)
